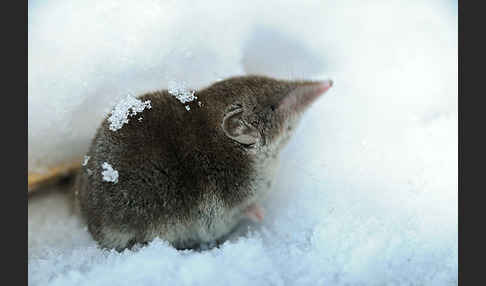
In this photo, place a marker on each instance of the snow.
(121, 111)
(367, 189)
(85, 161)
(181, 92)
(109, 174)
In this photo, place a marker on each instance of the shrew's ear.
(237, 129)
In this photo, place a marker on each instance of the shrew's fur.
(187, 176)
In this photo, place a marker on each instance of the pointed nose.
(322, 86)
(304, 94)
(310, 91)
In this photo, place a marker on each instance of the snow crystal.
(181, 92)
(86, 159)
(109, 174)
(188, 107)
(121, 111)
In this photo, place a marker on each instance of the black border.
(14, 142)
(471, 121)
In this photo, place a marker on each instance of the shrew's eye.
(272, 107)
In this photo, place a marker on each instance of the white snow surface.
(367, 190)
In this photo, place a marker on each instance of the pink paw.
(255, 212)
